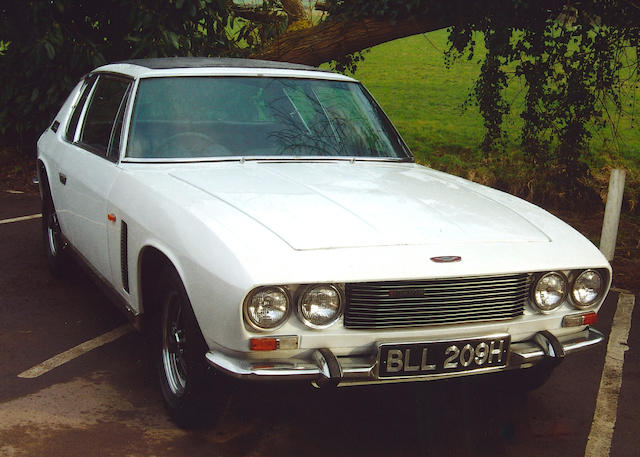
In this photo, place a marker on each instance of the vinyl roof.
(208, 62)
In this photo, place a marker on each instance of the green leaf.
(51, 52)
(173, 39)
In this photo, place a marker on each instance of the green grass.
(424, 99)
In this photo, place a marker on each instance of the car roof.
(216, 66)
(208, 62)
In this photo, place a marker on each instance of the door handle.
(63, 178)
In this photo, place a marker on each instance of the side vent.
(124, 256)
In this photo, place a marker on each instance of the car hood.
(327, 205)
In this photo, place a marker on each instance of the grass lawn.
(424, 99)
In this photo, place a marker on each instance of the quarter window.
(107, 101)
(77, 110)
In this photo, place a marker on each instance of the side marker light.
(272, 343)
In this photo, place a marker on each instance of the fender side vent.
(124, 256)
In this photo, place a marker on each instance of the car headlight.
(267, 308)
(587, 288)
(320, 306)
(550, 291)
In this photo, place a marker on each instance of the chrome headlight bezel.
(534, 288)
(603, 286)
(247, 303)
(301, 298)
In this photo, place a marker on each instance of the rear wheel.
(54, 246)
(193, 393)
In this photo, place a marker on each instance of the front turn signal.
(576, 320)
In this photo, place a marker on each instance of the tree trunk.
(332, 39)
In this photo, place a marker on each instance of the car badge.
(406, 293)
(446, 258)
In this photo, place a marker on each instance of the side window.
(102, 113)
(77, 110)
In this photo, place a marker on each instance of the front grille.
(429, 302)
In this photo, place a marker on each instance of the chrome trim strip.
(355, 370)
(390, 325)
(444, 283)
(381, 302)
(528, 352)
(434, 317)
(592, 338)
(462, 292)
(293, 369)
(439, 308)
(242, 159)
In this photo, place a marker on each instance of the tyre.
(55, 248)
(193, 393)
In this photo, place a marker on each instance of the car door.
(63, 146)
(90, 168)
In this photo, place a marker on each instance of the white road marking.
(15, 192)
(604, 417)
(21, 218)
(74, 352)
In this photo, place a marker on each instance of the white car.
(265, 220)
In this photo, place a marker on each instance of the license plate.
(421, 359)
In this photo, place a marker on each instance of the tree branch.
(331, 39)
(295, 10)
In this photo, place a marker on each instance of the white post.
(612, 213)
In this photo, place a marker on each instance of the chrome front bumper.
(323, 367)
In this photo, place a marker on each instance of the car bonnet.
(338, 204)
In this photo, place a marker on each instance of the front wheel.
(192, 392)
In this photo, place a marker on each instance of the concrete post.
(612, 213)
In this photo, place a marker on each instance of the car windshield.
(212, 117)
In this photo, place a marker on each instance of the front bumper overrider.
(323, 367)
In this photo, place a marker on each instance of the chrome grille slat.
(383, 296)
(434, 314)
(419, 309)
(445, 301)
(429, 300)
(419, 324)
(437, 283)
(444, 319)
(433, 290)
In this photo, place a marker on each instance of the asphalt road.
(105, 402)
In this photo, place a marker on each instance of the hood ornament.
(446, 258)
